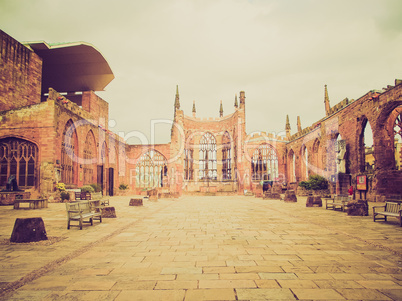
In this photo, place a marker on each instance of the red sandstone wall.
(98, 108)
(349, 120)
(35, 124)
(20, 74)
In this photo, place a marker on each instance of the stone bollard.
(153, 198)
(357, 208)
(290, 196)
(28, 230)
(313, 200)
(108, 212)
(136, 202)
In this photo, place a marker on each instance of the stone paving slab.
(205, 248)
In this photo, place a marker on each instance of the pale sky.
(280, 52)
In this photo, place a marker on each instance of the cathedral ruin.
(54, 129)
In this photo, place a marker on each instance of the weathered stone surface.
(136, 202)
(290, 196)
(271, 196)
(276, 189)
(357, 208)
(7, 198)
(313, 201)
(153, 198)
(28, 230)
(108, 212)
(152, 192)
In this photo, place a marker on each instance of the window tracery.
(18, 157)
(207, 158)
(151, 170)
(264, 163)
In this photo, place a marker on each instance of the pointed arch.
(69, 151)
(264, 163)
(304, 163)
(397, 130)
(207, 157)
(292, 166)
(151, 170)
(317, 158)
(226, 156)
(18, 158)
(90, 158)
(366, 146)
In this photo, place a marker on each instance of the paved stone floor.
(205, 248)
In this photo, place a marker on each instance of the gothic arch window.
(151, 170)
(69, 150)
(226, 157)
(264, 163)
(207, 157)
(292, 166)
(189, 160)
(398, 140)
(18, 158)
(366, 147)
(304, 163)
(317, 157)
(89, 158)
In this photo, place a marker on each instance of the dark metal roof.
(71, 67)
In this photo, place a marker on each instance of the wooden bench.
(99, 200)
(389, 209)
(337, 201)
(80, 211)
(32, 203)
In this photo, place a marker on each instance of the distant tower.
(177, 101)
(221, 110)
(287, 127)
(194, 111)
(299, 128)
(326, 102)
(236, 104)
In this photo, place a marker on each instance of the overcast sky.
(281, 53)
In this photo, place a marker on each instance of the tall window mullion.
(226, 157)
(264, 163)
(17, 158)
(208, 164)
(151, 170)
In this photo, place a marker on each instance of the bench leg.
(92, 221)
(80, 223)
(68, 225)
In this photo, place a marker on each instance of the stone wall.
(349, 119)
(21, 74)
